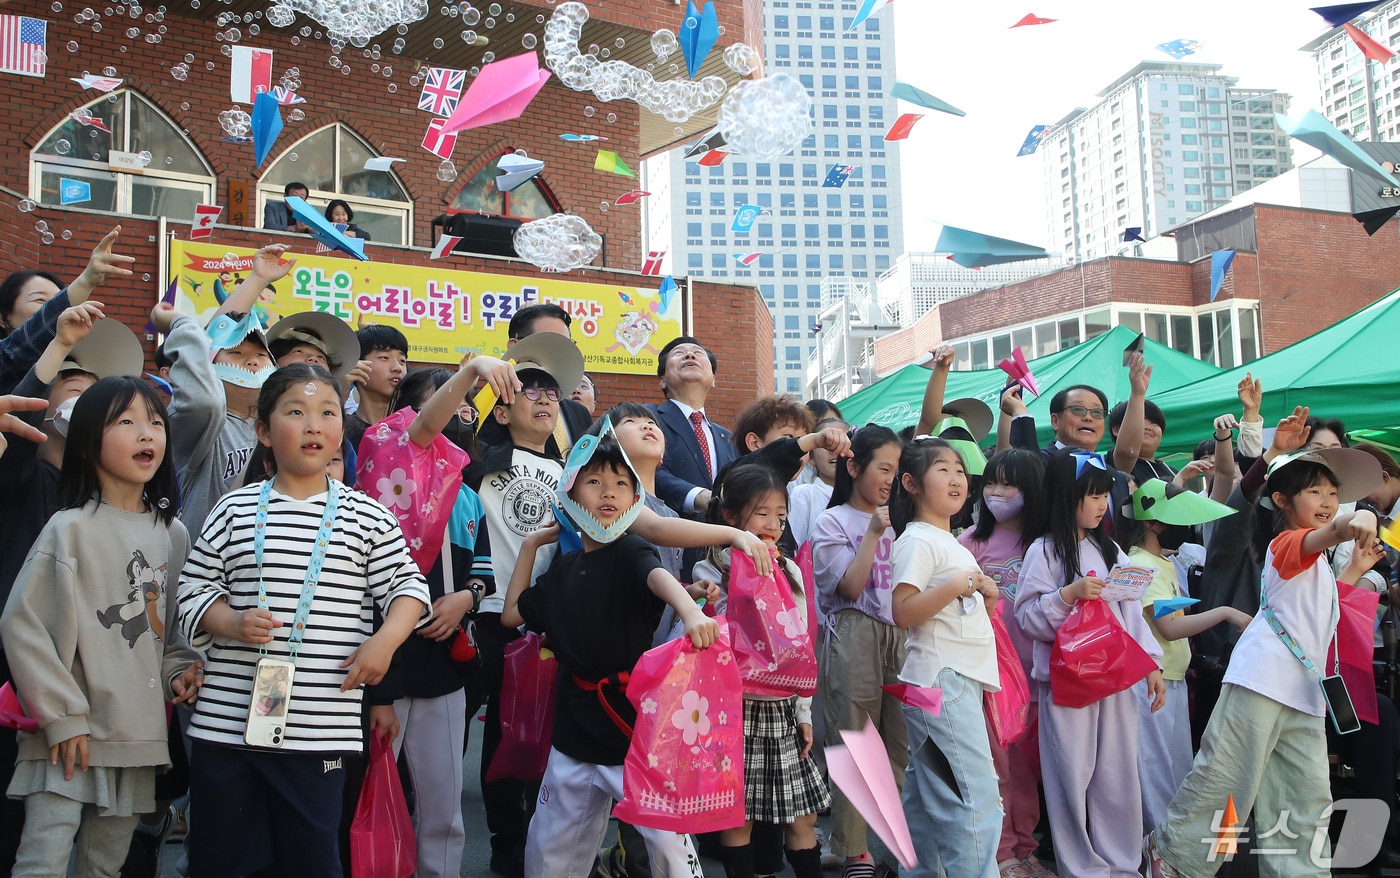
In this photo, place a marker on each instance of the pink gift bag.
(771, 639)
(527, 710)
(419, 485)
(1008, 711)
(685, 767)
(381, 834)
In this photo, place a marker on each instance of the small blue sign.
(73, 191)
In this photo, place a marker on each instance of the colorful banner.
(443, 313)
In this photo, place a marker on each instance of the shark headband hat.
(224, 333)
(579, 457)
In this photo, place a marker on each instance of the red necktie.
(697, 420)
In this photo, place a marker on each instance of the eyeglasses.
(533, 393)
(1080, 411)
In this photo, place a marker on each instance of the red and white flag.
(251, 74)
(23, 45)
(652, 264)
(444, 246)
(437, 143)
(204, 217)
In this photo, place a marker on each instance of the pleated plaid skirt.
(779, 785)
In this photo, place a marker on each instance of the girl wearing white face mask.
(1013, 484)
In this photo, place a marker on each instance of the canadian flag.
(444, 246)
(204, 217)
(251, 74)
(437, 143)
(652, 264)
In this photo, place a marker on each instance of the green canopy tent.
(1345, 371)
(895, 401)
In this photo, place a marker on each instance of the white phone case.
(271, 702)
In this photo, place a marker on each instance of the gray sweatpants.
(432, 730)
(52, 822)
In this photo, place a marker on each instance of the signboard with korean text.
(443, 313)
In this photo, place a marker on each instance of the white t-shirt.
(959, 636)
(805, 504)
(517, 502)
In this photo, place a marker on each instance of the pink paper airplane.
(89, 121)
(499, 93)
(1015, 366)
(101, 83)
(862, 770)
(916, 696)
(1032, 18)
(632, 197)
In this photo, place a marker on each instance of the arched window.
(172, 183)
(530, 200)
(331, 162)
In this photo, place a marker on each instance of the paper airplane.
(632, 197)
(713, 140)
(581, 138)
(905, 91)
(1317, 132)
(286, 97)
(1336, 16)
(444, 246)
(607, 160)
(1171, 605)
(167, 299)
(917, 696)
(381, 163)
(88, 120)
(1228, 836)
(746, 259)
(1133, 233)
(697, 34)
(1220, 262)
(862, 770)
(1030, 19)
(324, 230)
(267, 124)
(1136, 346)
(667, 291)
(500, 92)
(1369, 47)
(101, 83)
(1032, 141)
(713, 157)
(974, 250)
(902, 126)
(1374, 220)
(516, 169)
(867, 8)
(1015, 366)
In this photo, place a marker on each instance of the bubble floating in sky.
(742, 59)
(236, 123)
(354, 21)
(766, 118)
(559, 242)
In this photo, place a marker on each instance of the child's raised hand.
(702, 630)
(879, 521)
(186, 686)
(11, 424)
(268, 264)
(1251, 393)
(545, 534)
(103, 263)
(498, 374)
(75, 323)
(1139, 374)
(1293, 431)
(756, 549)
(1360, 525)
(72, 751)
(256, 626)
(368, 664)
(163, 315)
(1156, 690)
(943, 356)
(1087, 588)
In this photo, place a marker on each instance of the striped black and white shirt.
(367, 566)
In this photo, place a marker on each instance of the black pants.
(508, 801)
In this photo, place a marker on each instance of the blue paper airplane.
(905, 91)
(974, 249)
(323, 229)
(745, 218)
(667, 291)
(1317, 132)
(1171, 605)
(836, 177)
(1220, 262)
(1032, 141)
(569, 540)
(1339, 15)
(698, 34)
(73, 191)
(867, 8)
(1133, 233)
(267, 124)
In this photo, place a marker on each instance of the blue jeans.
(950, 785)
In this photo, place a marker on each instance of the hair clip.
(310, 388)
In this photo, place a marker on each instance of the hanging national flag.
(652, 264)
(836, 177)
(745, 218)
(1033, 139)
(437, 143)
(1179, 49)
(251, 74)
(23, 45)
(444, 246)
(286, 97)
(73, 191)
(746, 259)
(89, 121)
(204, 217)
(442, 89)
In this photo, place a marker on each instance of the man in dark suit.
(278, 217)
(1077, 415)
(696, 447)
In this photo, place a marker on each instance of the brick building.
(348, 117)
(1296, 270)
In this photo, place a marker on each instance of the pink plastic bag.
(381, 835)
(771, 640)
(527, 710)
(685, 767)
(1354, 639)
(1008, 711)
(419, 485)
(12, 715)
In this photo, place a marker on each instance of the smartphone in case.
(271, 702)
(1339, 706)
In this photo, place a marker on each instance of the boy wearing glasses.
(516, 479)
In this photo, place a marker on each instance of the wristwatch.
(478, 590)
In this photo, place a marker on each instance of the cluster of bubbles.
(763, 119)
(674, 100)
(236, 123)
(743, 59)
(560, 242)
(447, 172)
(356, 22)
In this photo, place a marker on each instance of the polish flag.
(251, 74)
(444, 246)
(204, 217)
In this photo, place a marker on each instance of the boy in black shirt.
(598, 607)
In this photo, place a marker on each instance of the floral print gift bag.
(685, 768)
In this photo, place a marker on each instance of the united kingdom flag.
(442, 90)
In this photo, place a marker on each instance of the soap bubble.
(109, 70)
(41, 226)
(353, 21)
(447, 172)
(560, 242)
(180, 72)
(62, 147)
(589, 111)
(494, 9)
(471, 16)
(47, 237)
(280, 16)
(488, 57)
(83, 115)
(184, 105)
(236, 123)
(144, 277)
(765, 118)
(742, 59)
(296, 115)
(529, 41)
(67, 235)
(72, 45)
(26, 205)
(437, 43)
(612, 117)
(291, 156)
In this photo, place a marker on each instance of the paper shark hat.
(579, 457)
(224, 332)
(1156, 500)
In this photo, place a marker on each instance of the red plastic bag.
(685, 767)
(1008, 711)
(381, 835)
(771, 640)
(527, 710)
(12, 714)
(1355, 640)
(1093, 657)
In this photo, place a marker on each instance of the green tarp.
(1347, 371)
(895, 400)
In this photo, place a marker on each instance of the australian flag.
(1179, 49)
(836, 177)
(1033, 139)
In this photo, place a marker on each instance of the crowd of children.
(218, 598)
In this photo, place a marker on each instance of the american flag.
(22, 45)
(442, 90)
(652, 264)
(437, 143)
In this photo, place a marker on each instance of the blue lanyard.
(1287, 638)
(313, 567)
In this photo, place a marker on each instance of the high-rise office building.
(1166, 142)
(806, 230)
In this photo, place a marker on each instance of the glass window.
(1249, 341)
(1069, 333)
(979, 354)
(1023, 338)
(695, 260)
(782, 50)
(1205, 324)
(1001, 347)
(1157, 328)
(872, 53)
(1225, 338)
(1046, 339)
(1130, 319)
(1182, 339)
(828, 53)
(1096, 323)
